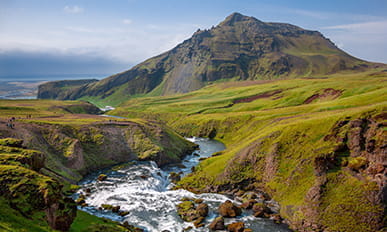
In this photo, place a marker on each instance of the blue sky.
(101, 36)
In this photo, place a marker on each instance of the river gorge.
(144, 190)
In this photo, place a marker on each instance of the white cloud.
(377, 27)
(365, 40)
(127, 21)
(80, 29)
(73, 9)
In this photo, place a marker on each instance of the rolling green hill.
(239, 48)
(316, 145)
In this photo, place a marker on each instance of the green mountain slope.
(317, 146)
(239, 48)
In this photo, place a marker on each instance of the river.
(143, 189)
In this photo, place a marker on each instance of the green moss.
(347, 206)
(357, 162)
(11, 142)
(98, 139)
(12, 220)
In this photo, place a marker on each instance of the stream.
(144, 190)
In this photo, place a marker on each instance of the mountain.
(239, 48)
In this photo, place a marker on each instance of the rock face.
(239, 48)
(57, 89)
(75, 151)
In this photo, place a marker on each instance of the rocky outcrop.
(73, 151)
(58, 89)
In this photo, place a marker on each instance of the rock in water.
(228, 209)
(202, 209)
(102, 177)
(260, 209)
(236, 227)
(217, 224)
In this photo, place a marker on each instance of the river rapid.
(144, 190)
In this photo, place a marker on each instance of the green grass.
(279, 128)
(12, 221)
(85, 222)
(40, 108)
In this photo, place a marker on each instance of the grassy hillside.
(239, 48)
(316, 145)
(44, 108)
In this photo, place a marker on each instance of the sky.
(44, 37)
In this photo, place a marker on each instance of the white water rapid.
(143, 189)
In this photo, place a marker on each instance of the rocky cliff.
(331, 179)
(75, 150)
(30, 194)
(239, 48)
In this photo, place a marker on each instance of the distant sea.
(26, 86)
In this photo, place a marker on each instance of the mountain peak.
(239, 48)
(236, 17)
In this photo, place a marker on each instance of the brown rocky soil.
(328, 93)
(259, 96)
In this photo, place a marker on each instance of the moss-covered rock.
(29, 192)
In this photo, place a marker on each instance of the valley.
(302, 122)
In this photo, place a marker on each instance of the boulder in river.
(189, 212)
(102, 177)
(199, 222)
(260, 210)
(228, 209)
(202, 210)
(217, 224)
(116, 209)
(186, 211)
(123, 213)
(248, 204)
(236, 227)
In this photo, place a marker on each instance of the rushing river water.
(143, 189)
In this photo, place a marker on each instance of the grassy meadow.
(274, 132)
